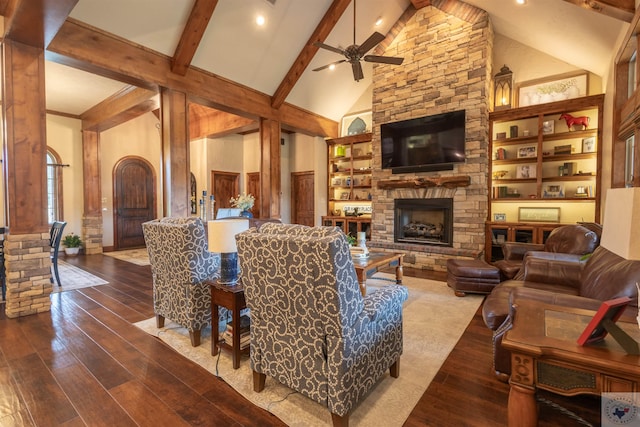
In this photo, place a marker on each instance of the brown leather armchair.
(578, 239)
(560, 279)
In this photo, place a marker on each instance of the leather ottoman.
(472, 276)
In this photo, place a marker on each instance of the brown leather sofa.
(579, 239)
(560, 279)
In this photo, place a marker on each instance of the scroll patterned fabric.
(180, 263)
(311, 329)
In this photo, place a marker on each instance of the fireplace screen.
(424, 221)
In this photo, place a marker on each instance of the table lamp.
(222, 240)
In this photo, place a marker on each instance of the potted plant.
(72, 243)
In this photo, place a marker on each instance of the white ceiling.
(233, 47)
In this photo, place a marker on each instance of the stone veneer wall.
(92, 231)
(447, 67)
(28, 274)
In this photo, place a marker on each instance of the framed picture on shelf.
(553, 191)
(539, 214)
(344, 195)
(356, 123)
(548, 127)
(589, 144)
(525, 171)
(550, 89)
(528, 152)
(499, 217)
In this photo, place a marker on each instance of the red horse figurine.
(571, 121)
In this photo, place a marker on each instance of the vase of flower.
(243, 202)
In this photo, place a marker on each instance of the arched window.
(54, 187)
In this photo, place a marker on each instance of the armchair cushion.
(311, 328)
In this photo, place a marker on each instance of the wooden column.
(270, 168)
(175, 153)
(26, 245)
(92, 229)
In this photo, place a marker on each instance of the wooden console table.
(376, 261)
(232, 298)
(545, 355)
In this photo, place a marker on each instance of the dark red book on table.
(609, 311)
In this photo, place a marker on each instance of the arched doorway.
(134, 201)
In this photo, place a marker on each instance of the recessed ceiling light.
(332, 66)
(379, 21)
(521, 1)
(260, 20)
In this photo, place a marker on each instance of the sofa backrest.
(606, 276)
(572, 239)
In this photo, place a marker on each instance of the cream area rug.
(134, 256)
(73, 277)
(434, 320)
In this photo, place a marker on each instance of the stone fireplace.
(447, 51)
(424, 221)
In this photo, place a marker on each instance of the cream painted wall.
(310, 154)
(64, 136)
(138, 137)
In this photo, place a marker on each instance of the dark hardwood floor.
(86, 364)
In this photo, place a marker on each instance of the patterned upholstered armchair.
(311, 329)
(180, 263)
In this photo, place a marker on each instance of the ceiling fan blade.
(369, 43)
(357, 71)
(327, 47)
(324, 67)
(384, 59)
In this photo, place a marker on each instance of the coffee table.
(376, 261)
(545, 355)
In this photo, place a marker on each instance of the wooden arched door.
(134, 201)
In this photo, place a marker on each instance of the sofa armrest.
(514, 251)
(558, 269)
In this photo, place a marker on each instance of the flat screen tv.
(424, 144)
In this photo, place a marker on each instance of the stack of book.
(245, 324)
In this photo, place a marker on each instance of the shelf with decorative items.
(349, 186)
(547, 153)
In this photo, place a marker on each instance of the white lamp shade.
(222, 234)
(621, 226)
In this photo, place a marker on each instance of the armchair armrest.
(513, 251)
(383, 302)
(552, 268)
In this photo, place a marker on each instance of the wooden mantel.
(440, 181)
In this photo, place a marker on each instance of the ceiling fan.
(355, 53)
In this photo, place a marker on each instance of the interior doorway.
(224, 186)
(134, 200)
(302, 198)
(253, 187)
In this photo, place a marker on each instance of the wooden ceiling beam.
(192, 35)
(328, 21)
(622, 10)
(208, 122)
(126, 104)
(35, 23)
(114, 57)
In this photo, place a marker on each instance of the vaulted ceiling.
(216, 42)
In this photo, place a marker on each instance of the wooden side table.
(232, 298)
(376, 261)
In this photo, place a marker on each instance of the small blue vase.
(246, 214)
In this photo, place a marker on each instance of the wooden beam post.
(92, 228)
(270, 168)
(175, 153)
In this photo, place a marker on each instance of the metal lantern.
(502, 89)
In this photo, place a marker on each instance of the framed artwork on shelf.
(550, 89)
(553, 191)
(589, 144)
(499, 217)
(548, 127)
(528, 152)
(539, 214)
(356, 123)
(344, 195)
(525, 171)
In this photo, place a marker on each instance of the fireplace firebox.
(424, 221)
